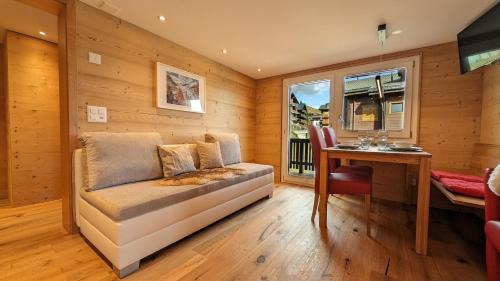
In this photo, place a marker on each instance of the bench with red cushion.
(473, 189)
(466, 185)
(438, 175)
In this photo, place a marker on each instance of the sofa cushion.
(193, 149)
(176, 160)
(210, 155)
(118, 158)
(229, 146)
(134, 199)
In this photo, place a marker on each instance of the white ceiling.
(282, 36)
(24, 19)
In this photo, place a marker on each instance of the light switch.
(94, 58)
(97, 114)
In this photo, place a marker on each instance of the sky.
(313, 94)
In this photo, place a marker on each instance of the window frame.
(411, 100)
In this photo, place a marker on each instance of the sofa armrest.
(491, 200)
(492, 230)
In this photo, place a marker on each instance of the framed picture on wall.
(179, 90)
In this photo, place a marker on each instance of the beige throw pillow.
(210, 155)
(229, 146)
(176, 160)
(192, 149)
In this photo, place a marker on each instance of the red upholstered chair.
(342, 180)
(331, 141)
(492, 230)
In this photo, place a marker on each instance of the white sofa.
(131, 221)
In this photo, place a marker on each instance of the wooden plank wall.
(450, 117)
(33, 119)
(487, 151)
(490, 120)
(3, 132)
(124, 83)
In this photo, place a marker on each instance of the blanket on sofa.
(202, 176)
(494, 182)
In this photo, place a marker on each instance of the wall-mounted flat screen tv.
(479, 43)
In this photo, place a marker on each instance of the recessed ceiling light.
(42, 33)
(396, 32)
(259, 70)
(224, 51)
(162, 18)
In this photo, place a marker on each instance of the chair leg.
(371, 198)
(367, 209)
(315, 206)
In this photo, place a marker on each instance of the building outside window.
(363, 107)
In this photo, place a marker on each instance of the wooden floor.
(270, 240)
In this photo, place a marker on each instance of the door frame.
(65, 10)
(285, 121)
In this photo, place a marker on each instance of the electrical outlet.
(94, 58)
(97, 114)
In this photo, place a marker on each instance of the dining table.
(373, 154)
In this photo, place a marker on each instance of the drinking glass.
(361, 139)
(365, 143)
(382, 143)
(382, 140)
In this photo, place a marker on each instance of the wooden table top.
(373, 154)
(374, 149)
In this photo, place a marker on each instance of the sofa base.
(125, 258)
(121, 273)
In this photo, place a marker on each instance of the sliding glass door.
(306, 102)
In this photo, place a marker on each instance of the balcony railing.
(300, 156)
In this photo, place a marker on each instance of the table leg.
(422, 225)
(323, 194)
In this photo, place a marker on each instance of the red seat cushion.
(349, 183)
(473, 189)
(438, 175)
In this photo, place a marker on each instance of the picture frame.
(177, 89)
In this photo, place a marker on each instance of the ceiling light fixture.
(396, 32)
(162, 18)
(42, 33)
(381, 34)
(224, 51)
(259, 70)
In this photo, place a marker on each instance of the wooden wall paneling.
(485, 156)
(33, 114)
(3, 130)
(268, 120)
(124, 83)
(50, 6)
(487, 150)
(450, 114)
(490, 119)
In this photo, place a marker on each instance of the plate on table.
(402, 145)
(406, 149)
(347, 146)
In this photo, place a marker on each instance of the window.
(396, 107)
(362, 108)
